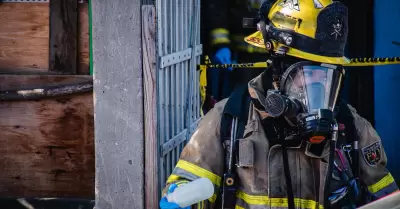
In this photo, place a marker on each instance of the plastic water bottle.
(192, 192)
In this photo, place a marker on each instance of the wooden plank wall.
(47, 145)
(24, 44)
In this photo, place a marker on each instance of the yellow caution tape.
(354, 62)
(373, 61)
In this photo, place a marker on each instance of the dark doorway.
(359, 90)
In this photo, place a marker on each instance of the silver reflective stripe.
(184, 174)
(243, 204)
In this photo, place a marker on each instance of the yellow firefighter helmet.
(313, 30)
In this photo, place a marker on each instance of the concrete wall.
(118, 101)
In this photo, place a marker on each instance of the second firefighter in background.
(223, 35)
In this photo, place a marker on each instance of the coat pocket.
(252, 164)
(246, 153)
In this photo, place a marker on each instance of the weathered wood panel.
(118, 102)
(63, 36)
(47, 146)
(150, 105)
(24, 44)
(29, 81)
(24, 38)
(83, 40)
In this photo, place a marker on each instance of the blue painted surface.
(387, 80)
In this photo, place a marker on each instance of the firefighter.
(296, 145)
(223, 38)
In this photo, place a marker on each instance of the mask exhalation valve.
(277, 104)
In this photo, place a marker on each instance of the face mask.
(307, 98)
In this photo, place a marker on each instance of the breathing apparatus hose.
(328, 176)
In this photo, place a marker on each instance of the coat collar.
(258, 95)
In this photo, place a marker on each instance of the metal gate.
(179, 50)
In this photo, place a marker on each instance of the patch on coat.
(372, 153)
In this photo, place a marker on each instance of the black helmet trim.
(330, 36)
(265, 8)
(300, 42)
(310, 63)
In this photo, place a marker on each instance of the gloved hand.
(223, 56)
(345, 197)
(164, 204)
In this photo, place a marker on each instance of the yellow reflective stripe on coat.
(381, 184)
(173, 178)
(200, 205)
(199, 171)
(277, 202)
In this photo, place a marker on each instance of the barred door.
(179, 50)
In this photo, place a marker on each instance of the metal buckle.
(347, 149)
(282, 51)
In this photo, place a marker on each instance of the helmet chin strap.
(276, 63)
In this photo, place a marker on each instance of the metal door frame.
(178, 50)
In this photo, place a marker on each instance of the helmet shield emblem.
(332, 29)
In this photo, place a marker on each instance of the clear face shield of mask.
(314, 86)
(306, 99)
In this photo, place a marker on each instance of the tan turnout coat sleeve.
(373, 160)
(202, 156)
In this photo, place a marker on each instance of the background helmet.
(314, 30)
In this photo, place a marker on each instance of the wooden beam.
(46, 203)
(118, 87)
(63, 34)
(150, 105)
